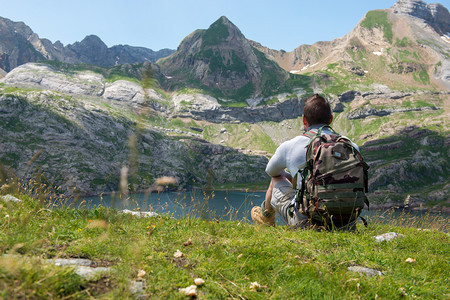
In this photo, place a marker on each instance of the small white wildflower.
(178, 254)
(254, 286)
(410, 260)
(141, 273)
(189, 291)
(199, 281)
(6, 216)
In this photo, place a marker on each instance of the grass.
(228, 254)
(243, 135)
(378, 18)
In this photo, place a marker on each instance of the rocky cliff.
(434, 14)
(15, 49)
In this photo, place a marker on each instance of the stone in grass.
(364, 270)
(71, 262)
(10, 198)
(147, 214)
(189, 291)
(82, 266)
(89, 272)
(137, 288)
(388, 236)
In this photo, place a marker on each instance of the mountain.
(78, 131)
(15, 48)
(19, 45)
(404, 46)
(222, 61)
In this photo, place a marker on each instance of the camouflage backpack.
(334, 181)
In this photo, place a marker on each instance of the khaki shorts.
(282, 196)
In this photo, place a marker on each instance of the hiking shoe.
(263, 218)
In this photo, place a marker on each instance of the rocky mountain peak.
(222, 31)
(221, 59)
(416, 8)
(90, 42)
(435, 14)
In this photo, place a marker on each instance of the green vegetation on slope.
(378, 18)
(215, 34)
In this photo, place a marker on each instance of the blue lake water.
(229, 205)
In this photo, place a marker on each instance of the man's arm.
(276, 165)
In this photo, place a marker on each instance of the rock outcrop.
(289, 109)
(380, 93)
(434, 14)
(15, 49)
(45, 77)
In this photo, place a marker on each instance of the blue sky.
(282, 24)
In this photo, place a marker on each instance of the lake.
(232, 205)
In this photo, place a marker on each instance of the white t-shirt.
(291, 154)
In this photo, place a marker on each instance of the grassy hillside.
(161, 255)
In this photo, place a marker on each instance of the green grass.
(378, 18)
(243, 135)
(215, 34)
(228, 254)
(404, 42)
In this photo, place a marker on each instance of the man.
(289, 155)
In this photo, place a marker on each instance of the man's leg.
(281, 200)
(278, 198)
(265, 214)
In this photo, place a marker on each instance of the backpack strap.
(319, 132)
(309, 134)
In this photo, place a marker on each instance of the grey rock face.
(126, 91)
(348, 96)
(416, 8)
(44, 77)
(15, 48)
(435, 14)
(288, 109)
(441, 16)
(378, 92)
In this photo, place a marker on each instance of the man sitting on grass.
(290, 155)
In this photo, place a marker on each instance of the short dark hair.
(317, 110)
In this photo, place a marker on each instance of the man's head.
(317, 111)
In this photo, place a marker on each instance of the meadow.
(159, 257)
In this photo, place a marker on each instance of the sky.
(277, 24)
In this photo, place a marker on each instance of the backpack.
(334, 181)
